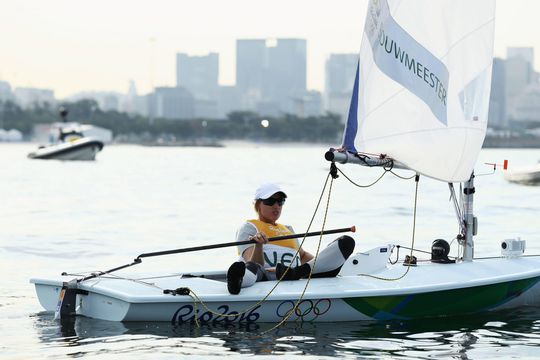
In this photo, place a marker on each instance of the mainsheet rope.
(416, 180)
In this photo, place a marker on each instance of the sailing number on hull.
(223, 315)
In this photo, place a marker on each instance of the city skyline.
(72, 47)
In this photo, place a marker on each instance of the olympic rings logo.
(307, 310)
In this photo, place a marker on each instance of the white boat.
(70, 143)
(529, 175)
(428, 290)
(83, 148)
(420, 102)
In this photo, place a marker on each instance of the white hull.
(526, 176)
(428, 290)
(80, 149)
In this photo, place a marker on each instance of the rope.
(295, 307)
(402, 177)
(385, 170)
(417, 178)
(363, 186)
(118, 277)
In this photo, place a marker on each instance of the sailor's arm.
(304, 256)
(255, 252)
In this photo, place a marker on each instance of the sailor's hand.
(260, 238)
(272, 270)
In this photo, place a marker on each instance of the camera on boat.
(512, 247)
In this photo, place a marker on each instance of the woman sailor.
(267, 261)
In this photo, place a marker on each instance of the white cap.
(266, 191)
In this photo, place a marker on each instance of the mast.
(468, 219)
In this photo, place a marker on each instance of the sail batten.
(421, 93)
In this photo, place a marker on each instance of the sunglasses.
(272, 201)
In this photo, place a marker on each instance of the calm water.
(78, 216)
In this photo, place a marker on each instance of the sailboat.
(420, 102)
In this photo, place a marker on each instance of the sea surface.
(86, 216)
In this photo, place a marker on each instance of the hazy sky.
(72, 45)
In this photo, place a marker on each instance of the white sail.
(421, 95)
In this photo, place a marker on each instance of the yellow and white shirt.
(281, 251)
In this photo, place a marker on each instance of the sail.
(421, 94)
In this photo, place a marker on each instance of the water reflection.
(460, 337)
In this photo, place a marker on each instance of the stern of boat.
(88, 303)
(47, 291)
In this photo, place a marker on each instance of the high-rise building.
(132, 103)
(172, 103)
(28, 97)
(286, 73)
(526, 108)
(228, 101)
(5, 91)
(526, 53)
(339, 81)
(518, 75)
(497, 100)
(251, 62)
(271, 74)
(199, 75)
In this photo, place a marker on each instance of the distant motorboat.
(529, 175)
(71, 144)
(83, 148)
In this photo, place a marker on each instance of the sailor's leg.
(332, 258)
(327, 264)
(235, 275)
(257, 270)
(241, 275)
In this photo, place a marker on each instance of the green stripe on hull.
(441, 303)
